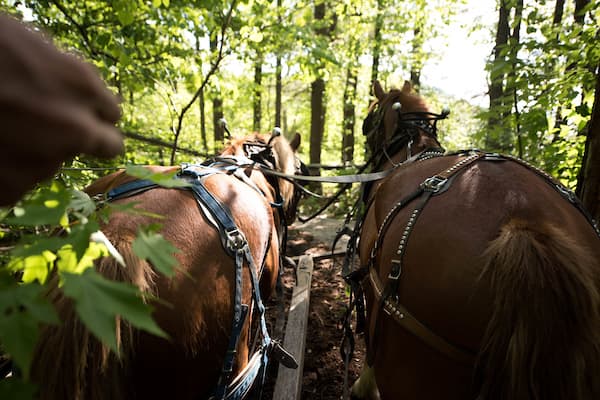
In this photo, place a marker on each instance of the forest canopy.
(181, 66)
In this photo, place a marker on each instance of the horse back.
(443, 283)
(194, 307)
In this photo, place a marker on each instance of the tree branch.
(213, 69)
(83, 33)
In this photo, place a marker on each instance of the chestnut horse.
(481, 273)
(196, 305)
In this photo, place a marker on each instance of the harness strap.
(565, 192)
(130, 189)
(236, 245)
(403, 317)
(387, 298)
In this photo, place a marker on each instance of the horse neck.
(425, 142)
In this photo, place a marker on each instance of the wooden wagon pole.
(289, 381)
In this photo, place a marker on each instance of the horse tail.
(543, 338)
(72, 364)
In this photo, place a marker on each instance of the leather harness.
(236, 245)
(386, 291)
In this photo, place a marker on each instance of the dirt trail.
(323, 365)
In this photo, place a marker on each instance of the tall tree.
(588, 187)
(498, 77)
(278, 84)
(418, 40)
(377, 28)
(257, 102)
(217, 106)
(349, 115)
(317, 89)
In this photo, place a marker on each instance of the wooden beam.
(289, 381)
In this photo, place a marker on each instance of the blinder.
(407, 125)
(372, 122)
(260, 153)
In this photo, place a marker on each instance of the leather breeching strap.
(386, 293)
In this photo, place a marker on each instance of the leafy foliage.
(54, 236)
(549, 92)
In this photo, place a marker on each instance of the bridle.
(408, 127)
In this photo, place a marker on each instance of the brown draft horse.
(489, 288)
(196, 308)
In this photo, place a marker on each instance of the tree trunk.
(588, 185)
(317, 101)
(497, 79)
(278, 89)
(349, 116)
(219, 132)
(579, 7)
(516, 38)
(377, 41)
(317, 119)
(559, 8)
(257, 94)
(417, 51)
(203, 121)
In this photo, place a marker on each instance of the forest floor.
(323, 375)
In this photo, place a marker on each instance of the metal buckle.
(434, 184)
(235, 239)
(396, 270)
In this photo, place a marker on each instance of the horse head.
(399, 123)
(275, 153)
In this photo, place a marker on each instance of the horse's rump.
(449, 284)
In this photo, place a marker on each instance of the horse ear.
(407, 87)
(378, 90)
(295, 142)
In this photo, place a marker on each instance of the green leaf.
(166, 2)
(125, 16)
(17, 389)
(69, 262)
(36, 267)
(80, 237)
(157, 250)
(22, 308)
(156, 3)
(81, 202)
(46, 207)
(99, 302)
(38, 245)
(160, 178)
